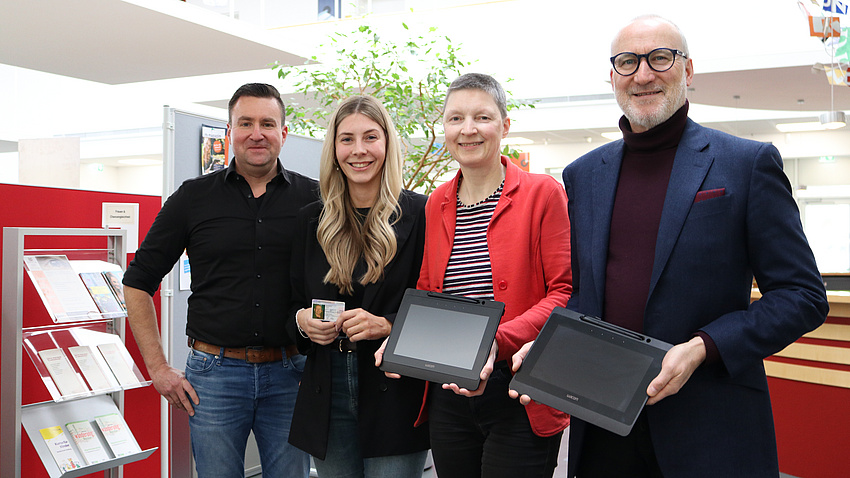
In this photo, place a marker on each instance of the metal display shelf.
(36, 416)
(40, 415)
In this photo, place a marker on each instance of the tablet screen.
(456, 329)
(609, 376)
(442, 338)
(591, 369)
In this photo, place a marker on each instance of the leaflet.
(117, 435)
(63, 375)
(101, 292)
(61, 289)
(87, 442)
(115, 278)
(115, 359)
(60, 448)
(88, 360)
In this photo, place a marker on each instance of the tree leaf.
(363, 61)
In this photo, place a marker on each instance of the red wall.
(30, 206)
(812, 421)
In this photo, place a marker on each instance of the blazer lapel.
(402, 229)
(604, 188)
(690, 167)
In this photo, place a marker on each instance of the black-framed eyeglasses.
(659, 59)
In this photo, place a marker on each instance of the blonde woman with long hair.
(362, 245)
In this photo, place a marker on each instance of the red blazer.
(529, 243)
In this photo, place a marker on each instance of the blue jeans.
(344, 459)
(237, 397)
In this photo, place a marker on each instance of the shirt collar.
(281, 172)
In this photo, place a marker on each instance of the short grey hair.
(485, 83)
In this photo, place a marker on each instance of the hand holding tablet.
(484, 375)
(442, 338)
(676, 368)
(591, 369)
(516, 363)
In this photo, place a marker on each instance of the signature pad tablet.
(591, 369)
(442, 338)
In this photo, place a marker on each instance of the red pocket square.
(708, 194)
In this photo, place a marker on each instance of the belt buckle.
(347, 350)
(252, 348)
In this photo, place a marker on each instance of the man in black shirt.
(243, 371)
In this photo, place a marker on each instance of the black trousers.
(487, 436)
(608, 455)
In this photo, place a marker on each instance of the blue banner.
(835, 6)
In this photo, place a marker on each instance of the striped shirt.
(468, 272)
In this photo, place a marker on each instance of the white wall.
(125, 179)
(556, 155)
(9, 168)
(97, 177)
(812, 172)
(806, 146)
(141, 180)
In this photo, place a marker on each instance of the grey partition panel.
(301, 154)
(182, 161)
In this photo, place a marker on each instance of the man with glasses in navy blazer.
(669, 227)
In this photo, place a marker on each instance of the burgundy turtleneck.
(642, 187)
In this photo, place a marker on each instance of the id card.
(327, 310)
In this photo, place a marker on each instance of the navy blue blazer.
(728, 216)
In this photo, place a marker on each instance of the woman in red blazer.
(497, 232)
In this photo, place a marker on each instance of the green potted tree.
(410, 78)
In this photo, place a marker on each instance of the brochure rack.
(77, 345)
(83, 347)
(45, 414)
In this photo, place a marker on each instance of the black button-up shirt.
(239, 251)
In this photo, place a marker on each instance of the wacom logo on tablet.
(575, 399)
(430, 365)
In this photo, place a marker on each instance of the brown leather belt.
(251, 354)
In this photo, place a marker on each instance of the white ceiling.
(114, 41)
(112, 64)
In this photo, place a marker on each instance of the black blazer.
(387, 407)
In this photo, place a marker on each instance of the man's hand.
(485, 374)
(359, 324)
(322, 333)
(516, 363)
(168, 381)
(676, 368)
(173, 386)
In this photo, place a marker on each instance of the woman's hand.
(322, 333)
(379, 359)
(359, 324)
(485, 374)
